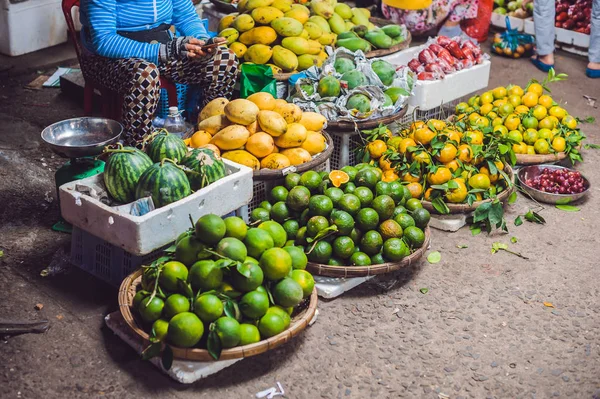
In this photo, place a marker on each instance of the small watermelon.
(204, 167)
(165, 182)
(123, 170)
(166, 145)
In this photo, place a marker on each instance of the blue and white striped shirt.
(104, 18)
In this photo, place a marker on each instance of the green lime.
(398, 210)
(362, 165)
(233, 248)
(325, 184)
(371, 242)
(304, 216)
(397, 192)
(151, 310)
(254, 304)
(390, 229)
(276, 263)
(343, 247)
(384, 206)
(210, 229)
(421, 217)
(320, 205)
(315, 225)
(278, 193)
(351, 171)
(413, 204)
(185, 330)
(270, 325)
(321, 252)
(349, 188)
(377, 259)
(235, 227)
(298, 198)
(265, 205)
(279, 212)
(287, 292)
(281, 312)
(276, 231)
(334, 194)
(208, 307)
(365, 195)
(414, 236)
(393, 249)
(324, 174)
(290, 243)
(360, 259)
(228, 330)
(249, 334)
(187, 250)
(259, 214)
(311, 180)
(205, 275)
(247, 277)
(407, 195)
(171, 272)
(404, 220)
(305, 280)
(343, 220)
(251, 260)
(175, 304)
(291, 227)
(301, 236)
(258, 241)
(349, 203)
(183, 235)
(367, 219)
(160, 329)
(335, 262)
(383, 188)
(299, 258)
(367, 177)
(138, 298)
(291, 180)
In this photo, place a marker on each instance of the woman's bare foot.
(546, 59)
(594, 65)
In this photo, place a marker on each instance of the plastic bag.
(479, 27)
(511, 43)
(255, 78)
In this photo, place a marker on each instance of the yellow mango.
(265, 15)
(297, 156)
(252, 127)
(231, 138)
(285, 59)
(359, 17)
(243, 23)
(337, 24)
(226, 21)
(321, 23)
(280, 102)
(299, 14)
(306, 61)
(275, 161)
(294, 137)
(315, 143)
(258, 54)
(260, 144)
(327, 39)
(283, 5)
(229, 34)
(241, 111)
(242, 5)
(297, 45)
(290, 112)
(214, 123)
(304, 34)
(313, 121)
(253, 4)
(314, 30)
(272, 123)
(264, 101)
(239, 49)
(314, 47)
(365, 11)
(287, 27)
(275, 69)
(259, 35)
(349, 26)
(343, 10)
(322, 9)
(242, 157)
(213, 108)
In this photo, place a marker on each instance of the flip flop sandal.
(540, 65)
(592, 73)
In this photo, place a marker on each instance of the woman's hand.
(196, 49)
(188, 47)
(525, 3)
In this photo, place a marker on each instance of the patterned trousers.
(138, 81)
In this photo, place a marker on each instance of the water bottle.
(174, 123)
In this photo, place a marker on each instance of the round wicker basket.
(395, 48)
(530, 159)
(299, 322)
(274, 174)
(364, 271)
(366, 124)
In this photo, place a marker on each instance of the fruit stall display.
(539, 129)
(574, 15)
(351, 217)
(513, 8)
(291, 37)
(511, 43)
(223, 291)
(263, 133)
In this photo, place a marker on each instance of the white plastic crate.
(345, 145)
(529, 26)
(499, 21)
(31, 25)
(572, 38)
(431, 94)
(141, 235)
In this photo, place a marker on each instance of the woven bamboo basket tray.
(299, 322)
(387, 51)
(283, 77)
(274, 174)
(366, 124)
(530, 159)
(318, 269)
(466, 208)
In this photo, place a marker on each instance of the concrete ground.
(482, 329)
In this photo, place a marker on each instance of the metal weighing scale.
(80, 140)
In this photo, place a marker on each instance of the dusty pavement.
(482, 329)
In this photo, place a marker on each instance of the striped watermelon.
(204, 167)
(165, 182)
(123, 170)
(166, 145)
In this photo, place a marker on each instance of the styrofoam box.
(433, 93)
(140, 235)
(31, 25)
(572, 38)
(499, 21)
(529, 27)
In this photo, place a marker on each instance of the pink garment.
(428, 20)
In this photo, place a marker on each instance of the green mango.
(358, 18)
(329, 87)
(360, 30)
(321, 23)
(385, 71)
(379, 39)
(355, 44)
(337, 24)
(343, 65)
(308, 89)
(347, 35)
(395, 92)
(343, 10)
(354, 78)
(388, 101)
(392, 31)
(359, 102)
(398, 40)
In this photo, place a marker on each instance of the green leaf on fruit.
(424, 290)
(440, 206)
(232, 310)
(512, 197)
(171, 249)
(591, 146)
(244, 271)
(167, 357)
(518, 221)
(475, 230)
(534, 217)
(185, 288)
(568, 208)
(434, 257)
(213, 344)
(513, 240)
(151, 351)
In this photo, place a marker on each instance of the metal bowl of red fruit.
(553, 184)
